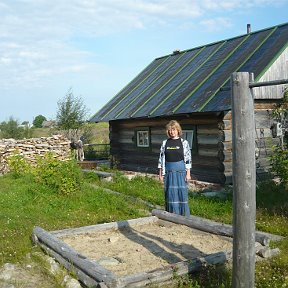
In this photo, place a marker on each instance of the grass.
(25, 204)
(97, 133)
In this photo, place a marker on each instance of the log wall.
(263, 140)
(212, 156)
(31, 148)
(207, 162)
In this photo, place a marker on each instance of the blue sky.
(96, 47)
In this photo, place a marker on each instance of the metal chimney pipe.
(248, 28)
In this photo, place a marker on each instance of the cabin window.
(143, 138)
(189, 134)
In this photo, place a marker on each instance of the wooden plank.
(226, 125)
(193, 119)
(85, 279)
(208, 175)
(265, 105)
(227, 156)
(167, 273)
(105, 226)
(92, 269)
(206, 225)
(209, 139)
(208, 152)
(225, 146)
(208, 129)
(227, 135)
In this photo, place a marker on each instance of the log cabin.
(188, 86)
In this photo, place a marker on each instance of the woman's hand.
(161, 178)
(188, 175)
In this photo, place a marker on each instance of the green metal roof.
(190, 81)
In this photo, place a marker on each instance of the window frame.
(147, 144)
(193, 129)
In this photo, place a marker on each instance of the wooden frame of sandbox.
(92, 274)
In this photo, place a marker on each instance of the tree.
(11, 129)
(38, 121)
(279, 158)
(71, 115)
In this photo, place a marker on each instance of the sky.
(94, 48)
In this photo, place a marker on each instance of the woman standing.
(174, 169)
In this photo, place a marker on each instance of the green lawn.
(25, 204)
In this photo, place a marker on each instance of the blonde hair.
(173, 124)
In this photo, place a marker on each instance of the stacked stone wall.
(30, 149)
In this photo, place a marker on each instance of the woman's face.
(173, 132)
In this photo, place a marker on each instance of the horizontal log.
(227, 166)
(226, 156)
(209, 139)
(228, 178)
(208, 175)
(158, 130)
(167, 273)
(133, 156)
(92, 269)
(206, 225)
(208, 152)
(125, 140)
(227, 135)
(226, 125)
(85, 279)
(158, 138)
(206, 160)
(217, 166)
(208, 130)
(264, 105)
(104, 226)
(138, 168)
(191, 119)
(225, 146)
(125, 133)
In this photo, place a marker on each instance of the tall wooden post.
(244, 182)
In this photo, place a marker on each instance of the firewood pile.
(31, 148)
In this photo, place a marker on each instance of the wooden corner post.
(244, 181)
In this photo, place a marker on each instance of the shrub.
(18, 165)
(64, 177)
(279, 162)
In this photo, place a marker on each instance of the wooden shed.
(189, 86)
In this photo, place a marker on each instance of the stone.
(108, 261)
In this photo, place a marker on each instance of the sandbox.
(142, 251)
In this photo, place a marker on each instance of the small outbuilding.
(190, 86)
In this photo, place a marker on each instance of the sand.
(146, 247)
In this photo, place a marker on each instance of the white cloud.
(236, 4)
(37, 37)
(216, 24)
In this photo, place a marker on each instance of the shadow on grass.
(273, 198)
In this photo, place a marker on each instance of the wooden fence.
(96, 151)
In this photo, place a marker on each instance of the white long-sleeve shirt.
(187, 155)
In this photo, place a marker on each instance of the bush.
(19, 166)
(64, 177)
(279, 162)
